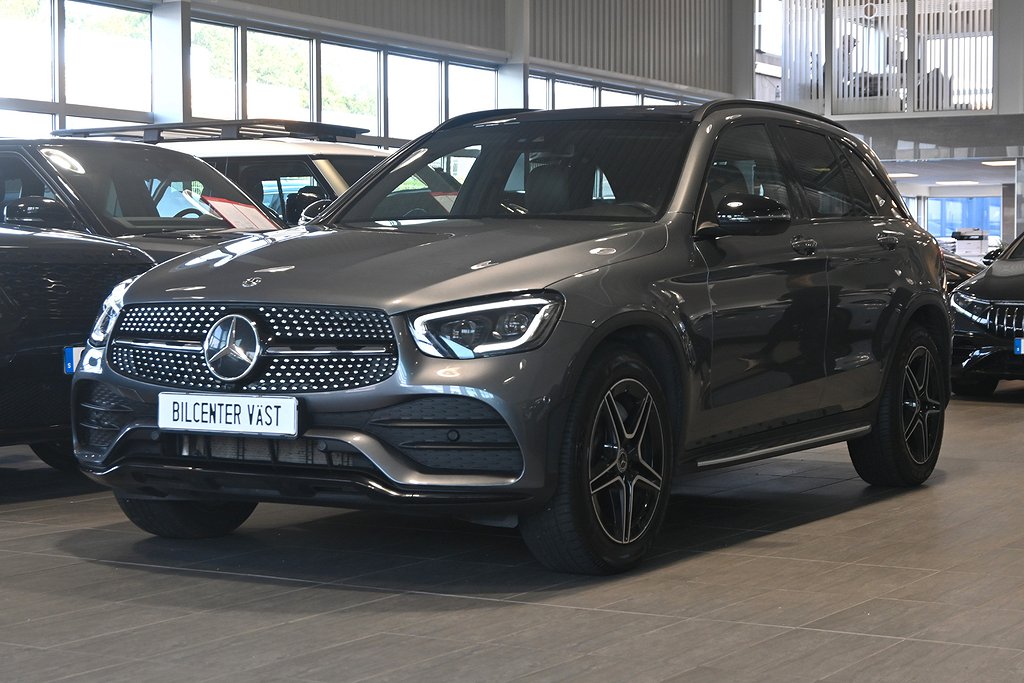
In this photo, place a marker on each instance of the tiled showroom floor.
(786, 570)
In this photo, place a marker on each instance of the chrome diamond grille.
(1006, 320)
(308, 348)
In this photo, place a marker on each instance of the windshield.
(141, 189)
(615, 170)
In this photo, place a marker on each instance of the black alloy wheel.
(903, 446)
(627, 452)
(923, 405)
(615, 471)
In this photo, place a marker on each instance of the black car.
(52, 282)
(164, 202)
(988, 319)
(959, 270)
(604, 300)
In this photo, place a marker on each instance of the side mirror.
(313, 210)
(991, 256)
(39, 212)
(747, 214)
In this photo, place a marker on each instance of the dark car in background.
(164, 202)
(52, 282)
(602, 300)
(988, 317)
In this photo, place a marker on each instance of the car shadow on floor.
(800, 509)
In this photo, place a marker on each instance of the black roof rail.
(479, 116)
(241, 129)
(705, 109)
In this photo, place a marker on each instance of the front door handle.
(888, 240)
(804, 245)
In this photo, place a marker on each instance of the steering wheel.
(189, 210)
(514, 208)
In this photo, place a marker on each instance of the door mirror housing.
(747, 214)
(41, 212)
(991, 256)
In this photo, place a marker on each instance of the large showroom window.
(414, 95)
(349, 86)
(471, 89)
(277, 76)
(573, 95)
(214, 70)
(28, 44)
(23, 124)
(105, 49)
(949, 214)
(539, 92)
(615, 98)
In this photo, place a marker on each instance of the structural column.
(172, 46)
(513, 77)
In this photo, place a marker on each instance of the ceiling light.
(902, 175)
(956, 182)
(1000, 162)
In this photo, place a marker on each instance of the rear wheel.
(185, 518)
(903, 446)
(59, 454)
(614, 473)
(976, 387)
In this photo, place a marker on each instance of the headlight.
(974, 309)
(492, 328)
(108, 314)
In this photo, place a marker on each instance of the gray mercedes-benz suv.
(533, 318)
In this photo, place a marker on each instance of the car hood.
(397, 268)
(1002, 281)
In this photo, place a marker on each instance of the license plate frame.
(233, 414)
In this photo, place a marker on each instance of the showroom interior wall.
(545, 53)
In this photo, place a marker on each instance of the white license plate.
(229, 414)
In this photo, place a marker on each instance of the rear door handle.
(888, 240)
(804, 245)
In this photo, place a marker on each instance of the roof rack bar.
(220, 129)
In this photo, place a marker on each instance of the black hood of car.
(1002, 281)
(398, 268)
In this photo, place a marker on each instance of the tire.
(185, 518)
(616, 455)
(904, 444)
(975, 387)
(59, 454)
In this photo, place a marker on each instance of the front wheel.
(903, 446)
(185, 518)
(614, 471)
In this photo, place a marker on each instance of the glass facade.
(214, 70)
(349, 86)
(107, 59)
(946, 215)
(278, 76)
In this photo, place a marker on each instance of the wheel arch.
(932, 314)
(659, 343)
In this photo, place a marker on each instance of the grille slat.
(1006, 320)
(362, 343)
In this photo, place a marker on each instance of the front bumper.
(474, 436)
(978, 353)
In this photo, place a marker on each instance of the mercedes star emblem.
(252, 281)
(232, 347)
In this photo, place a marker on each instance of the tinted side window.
(744, 162)
(828, 180)
(884, 201)
(17, 180)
